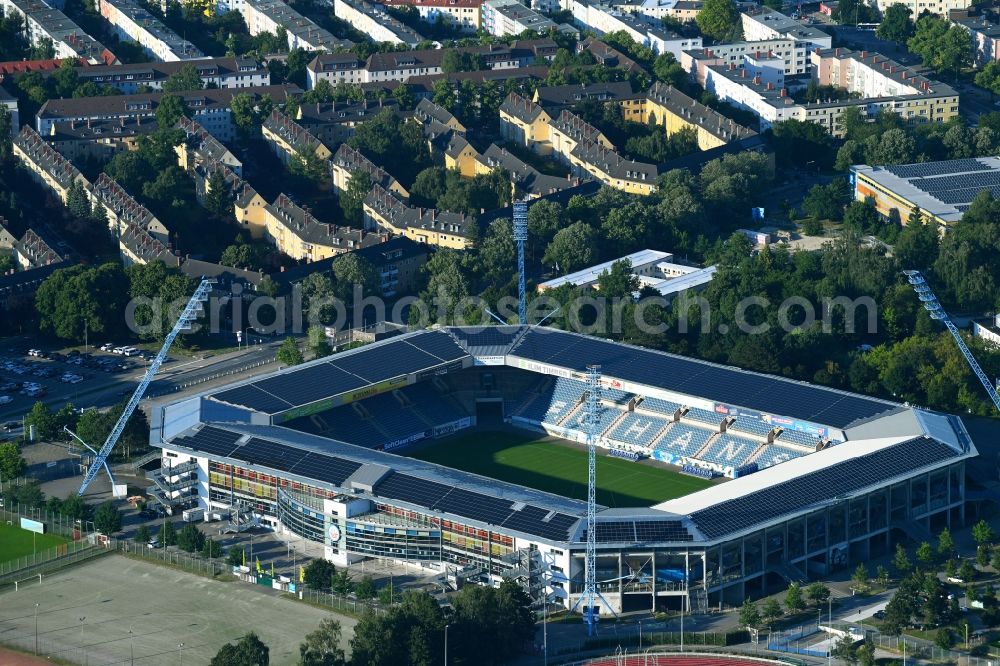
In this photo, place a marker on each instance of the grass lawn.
(15, 542)
(559, 468)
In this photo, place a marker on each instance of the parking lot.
(33, 375)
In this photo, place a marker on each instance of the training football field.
(15, 542)
(559, 467)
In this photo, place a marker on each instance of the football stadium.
(462, 451)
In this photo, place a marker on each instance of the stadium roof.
(732, 386)
(797, 486)
(346, 372)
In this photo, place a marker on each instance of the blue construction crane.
(520, 237)
(933, 306)
(190, 313)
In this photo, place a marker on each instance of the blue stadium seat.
(703, 416)
(799, 437)
(683, 440)
(555, 403)
(616, 396)
(730, 451)
(752, 426)
(695, 470)
(774, 455)
(637, 430)
(661, 406)
(605, 419)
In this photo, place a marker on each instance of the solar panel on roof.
(475, 505)
(439, 344)
(386, 361)
(411, 489)
(330, 469)
(487, 336)
(251, 397)
(936, 168)
(310, 384)
(801, 492)
(212, 441)
(264, 452)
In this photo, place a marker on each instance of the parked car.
(118, 350)
(6, 399)
(107, 346)
(153, 543)
(131, 351)
(11, 425)
(9, 386)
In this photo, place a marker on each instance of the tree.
(866, 654)
(12, 464)
(882, 576)
(365, 588)
(983, 555)
(6, 131)
(896, 25)
(185, 78)
(309, 166)
(571, 248)
(44, 421)
(218, 200)
(247, 651)
(141, 535)
(168, 534)
(802, 143)
(318, 344)
(170, 109)
(982, 533)
(826, 202)
(190, 539)
(966, 571)
(860, 577)
(771, 610)
(946, 544)
(940, 45)
(289, 352)
(793, 598)
(77, 201)
(925, 554)
(244, 112)
(844, 650)
(319, 574)
(321, 646)
(80, 298)
(917, 245)
(353, 197)
(749, 615)
(211, 549)
(817, 593)
(719, 19)
(942, 638)
(410, 633)
(236, 556)
(352, 271)
(107, 518)
(901, 560)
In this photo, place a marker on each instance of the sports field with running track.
(559, 467)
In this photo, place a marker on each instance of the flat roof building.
(131, 21)
(760, 23)
(510, 17)
(214, 72)
(272, 15)
(604, 17)
(653, 268)
(42, 21)
(373, 20)
(462, 14)
(942, 191)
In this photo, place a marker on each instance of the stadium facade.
(811, 479)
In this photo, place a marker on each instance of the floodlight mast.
(190, 313)
(520, 237)
(933, 306)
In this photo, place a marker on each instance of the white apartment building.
(374, 21)
(510, 17)
(760, 24)
(69, 41)
(214, 72)
(132, 22)
(939, 7)
(462, 14)
(270, 15)
(603, 18)
(658, 10)
(794, 56)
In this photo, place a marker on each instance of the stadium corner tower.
(808, 479)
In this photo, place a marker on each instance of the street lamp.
(640, 634)
(180, 646)
(36, 631)
(131, 646)
(446, 644)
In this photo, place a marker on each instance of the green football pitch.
(559, 467)
(15, 542)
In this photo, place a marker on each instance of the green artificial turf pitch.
(559, 468)
(15, 542)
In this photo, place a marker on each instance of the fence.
(337, 602)
(652, 657)
(635, 635)
(798, 640)
(191, 562)
(54, 522)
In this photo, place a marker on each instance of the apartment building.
(123, 211)
(97, 139)
(271, 15)
(608, 56)
(525, 123)
(210, 108)
(603, 17)
(335, 122)
(346, 162)
(510, 17)
(657, 10)
(525, 180)
(248, 204)
(794, 56)
(672, 110)
(984, 31)
(762, 24)
(37, 249)
(200, 147)
(462, 14)
(373, 20)
(296, 232)
(42, 21)
(9, 102)
(47, 166)
(918, 7)
(339, 68)
(289, 140)
(214, 72)
(138, 246)
(387, 212)
(131, 21)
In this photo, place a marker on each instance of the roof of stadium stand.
(898, 440)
